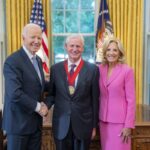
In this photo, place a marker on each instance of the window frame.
(84, 34)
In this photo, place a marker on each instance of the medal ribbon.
(71, 79)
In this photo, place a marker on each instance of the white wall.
(2, 50)
(146, 66)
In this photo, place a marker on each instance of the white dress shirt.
(38, 106)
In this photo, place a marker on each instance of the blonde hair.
(120, 48)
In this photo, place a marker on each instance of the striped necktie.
(72, 69)
(35, 64)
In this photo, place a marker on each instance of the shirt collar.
(76, 63)
(28, 52)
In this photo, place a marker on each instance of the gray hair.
(120, 48)
(72, 36)
(28, 26)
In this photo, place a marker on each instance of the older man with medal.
(74, 92)
(75, 68)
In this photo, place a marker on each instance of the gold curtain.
(127, 20)
(126, 17)
(17, 16)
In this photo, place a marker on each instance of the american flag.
(37, 17)
(104, 26)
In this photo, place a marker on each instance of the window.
(75, 16)
(146, 85)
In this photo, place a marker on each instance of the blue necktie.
(35, 64)
(72, 69)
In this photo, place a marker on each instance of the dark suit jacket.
(22, 91)
(81, 109)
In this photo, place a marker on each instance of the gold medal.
(71, 90)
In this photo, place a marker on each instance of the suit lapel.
(29, 64)
(104, 71)
(63, 75)
(81, 76)
(115, 72)
(103, 74)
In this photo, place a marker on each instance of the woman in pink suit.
(117, 99)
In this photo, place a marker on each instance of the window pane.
(87, 22)
(60, 52)
(87, 4)
(72, 4)
(58, 22)
(75, 16)
(71, 21)
(58, 45)
(89, 50)
(58, 4)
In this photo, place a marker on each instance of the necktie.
(72, 86)
(35, 64)
(72, 69)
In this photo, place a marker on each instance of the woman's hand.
(125, 134)
(93, 133)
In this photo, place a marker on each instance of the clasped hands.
(43, 110)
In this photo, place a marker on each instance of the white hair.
(72, 36)
(28, 26)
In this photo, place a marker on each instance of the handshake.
(43, 110)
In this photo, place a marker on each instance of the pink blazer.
(117, 97)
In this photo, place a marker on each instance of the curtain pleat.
(127, 20)
(17, 16)
(126, 17)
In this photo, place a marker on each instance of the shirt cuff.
(38, 107)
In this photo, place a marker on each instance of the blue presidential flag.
(104, 25)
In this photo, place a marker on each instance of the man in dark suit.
(74, 91)
(24, 85)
